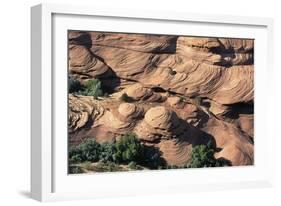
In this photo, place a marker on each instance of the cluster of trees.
(203, 156)
(92, 87)
(128, 150)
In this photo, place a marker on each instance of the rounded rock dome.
(137, 91)
(159, 117)
(127, 109)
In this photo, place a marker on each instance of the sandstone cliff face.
(186, 91)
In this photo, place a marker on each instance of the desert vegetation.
(128, 151)
(203, 156)
(132, 155)
(89, 88)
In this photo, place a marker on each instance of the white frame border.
(42, 90)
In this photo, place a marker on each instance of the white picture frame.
(49, 179)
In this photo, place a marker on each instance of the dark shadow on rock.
(204, 118)
(109, 80)
(196, 136)
(204, 138)
(171, 49)
(83, 39)
(77, 136)
(239, 108)
(223, 162)
(230, 53)
(153, 157)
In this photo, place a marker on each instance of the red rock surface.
(186, 91)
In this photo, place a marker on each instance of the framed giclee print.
(137, 102)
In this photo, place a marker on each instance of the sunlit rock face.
(182, 89)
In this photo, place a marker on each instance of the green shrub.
(107, 152)
(75, 154)
(152, 158)
(125, 98)
(88, 150)
(74, 85)
(203, 156)
(128, 148)
(92, 88)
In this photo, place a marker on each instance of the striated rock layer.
(184, 91)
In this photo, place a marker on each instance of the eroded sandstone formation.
(185, 90)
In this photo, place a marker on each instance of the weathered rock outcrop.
(82, 110)
(185, 91)
(139, 93)
(160, 123)
(195, 67)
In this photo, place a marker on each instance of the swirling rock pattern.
(175, 151)
(185, 91)
(160, 123)
(139, 93)
(197, 66)
(130, 111)
(82, 112)
(237, 146)
(121, 119)
(83, 109)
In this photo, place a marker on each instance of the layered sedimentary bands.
(185, 91)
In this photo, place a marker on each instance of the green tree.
(108, 149)
(92, 88)
(203, 156)
(75, 155)
(152, 158)
(128, 148)
(73, 85)
(88, 150)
